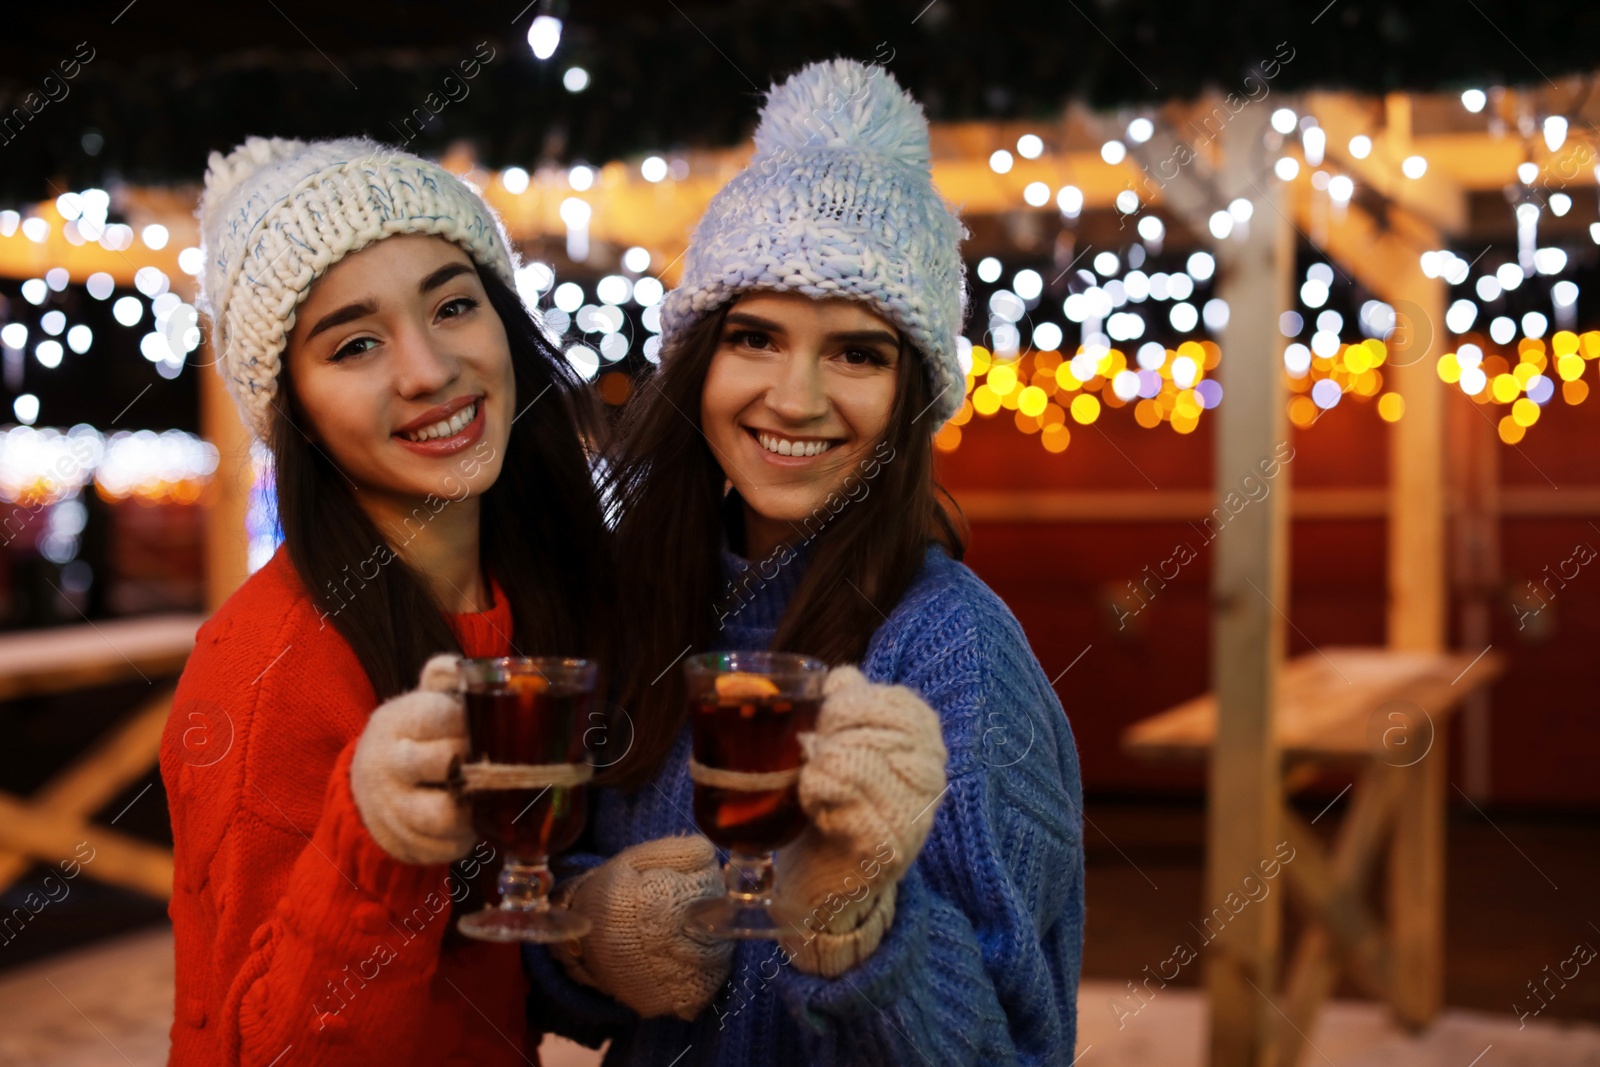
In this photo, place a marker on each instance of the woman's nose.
(423, 366)
(798, 394)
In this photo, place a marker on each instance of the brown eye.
(350, 349)
(750, 339)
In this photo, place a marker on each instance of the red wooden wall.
(1062, 579)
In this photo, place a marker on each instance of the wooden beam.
(118, 859)
(1417, 546)
(227, 497)
(91, 783)
(1390, 266)
(64, 658)
(1333, 896)
(1434, 196)
(1250, 591)
(1416, 887)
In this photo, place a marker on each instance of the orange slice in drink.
(743, 685)
(527, 685)
(737, 809)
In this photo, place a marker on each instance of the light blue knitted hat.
(838, 200)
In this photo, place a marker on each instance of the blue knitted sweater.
(980, 965)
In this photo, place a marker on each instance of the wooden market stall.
(1268, 725)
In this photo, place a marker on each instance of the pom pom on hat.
(838, 201)
(225, 172)
(844, 104)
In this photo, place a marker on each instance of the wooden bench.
(47, 826)
(1382, 715)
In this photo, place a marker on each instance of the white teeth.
(446, 427)
(785, 447)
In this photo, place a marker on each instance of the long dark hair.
(669, 492)
(541, 531)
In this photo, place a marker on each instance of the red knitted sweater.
(293, 929)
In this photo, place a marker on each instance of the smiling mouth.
(445, 427)
(791, 446)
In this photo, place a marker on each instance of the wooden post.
(1416, 888)
(228, 495)
(1416, 617)
(1250, 596)
(1475, 476)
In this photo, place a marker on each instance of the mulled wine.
(751, 734)
(523, 780)
(747, 712)
(528, 721)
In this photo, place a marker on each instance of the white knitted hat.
(277, 214)
(838, 200)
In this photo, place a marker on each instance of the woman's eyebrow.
(363, 308)
(866, 337)
(744, 318)
(871, 336)
(348, 313)
(442, 275)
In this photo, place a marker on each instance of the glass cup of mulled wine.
(524, 780)
(747, 712)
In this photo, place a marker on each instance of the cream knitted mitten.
(872, 775)
(638, 951)
(401, 765)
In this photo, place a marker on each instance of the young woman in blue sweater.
(774, 486)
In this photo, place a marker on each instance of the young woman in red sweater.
(434, 497)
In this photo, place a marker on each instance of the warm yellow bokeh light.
(1085, 408)
(1510, 432)
(1055, 438)
(1391, 406)
(1564, 343)
(1002, 378)
(1505, 388)
(985, 401)
(981, 358)
(1302, 411)
(1575, 392)
(1570, 367)
(1449, 368)
(1525, 412)
(1066, 379)
(1032, 400)
(948, 439)
(1147, 413)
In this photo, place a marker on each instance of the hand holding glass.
(748, 710)
(524, 777)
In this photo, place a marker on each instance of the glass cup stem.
(526, 886)
(524, 912)
(749, 877)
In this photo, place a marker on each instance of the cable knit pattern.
(293, 928)
(636, 951)
(276, 214)
(838, 200)
(980, 963)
